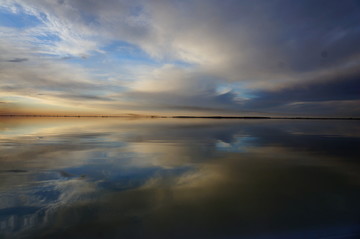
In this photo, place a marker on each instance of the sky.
(180, 57)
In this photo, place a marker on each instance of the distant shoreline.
(260, 117)
(179, 117)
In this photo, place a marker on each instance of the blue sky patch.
(20, 20)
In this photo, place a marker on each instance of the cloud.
(242, 40)
(269, 51)
(18, 60)
(73, 28)
(44, 80)
(174, 88)
(257, 41)
(336, 94)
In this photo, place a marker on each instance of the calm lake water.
(179, 178)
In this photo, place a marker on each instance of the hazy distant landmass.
(264, 117)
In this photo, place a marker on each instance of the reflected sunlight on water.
(185, 178)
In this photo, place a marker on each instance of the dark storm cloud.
(299, 50)
(343, 88)
(332, 95)
(18, 60)
(314, 34)
(260, 40)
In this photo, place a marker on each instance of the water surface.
(179, 178)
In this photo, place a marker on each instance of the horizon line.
(181, 117)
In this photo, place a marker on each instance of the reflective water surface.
(185, 178)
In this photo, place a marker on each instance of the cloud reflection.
(177, 178)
